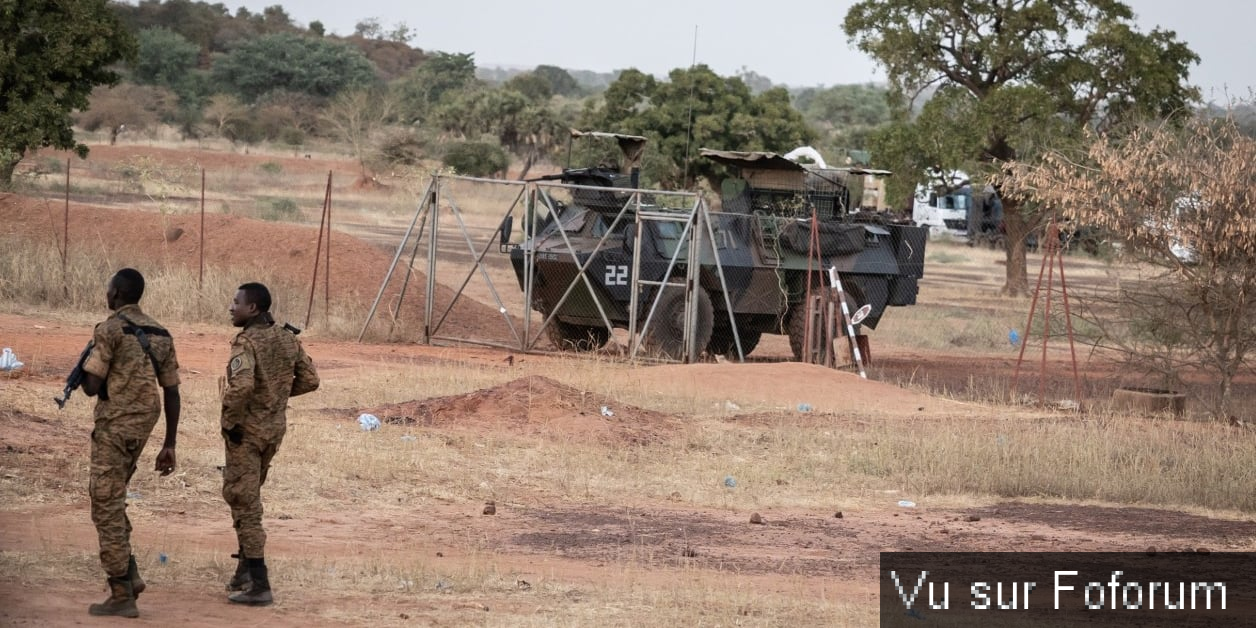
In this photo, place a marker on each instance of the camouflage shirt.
(267, 366)
(134, 401)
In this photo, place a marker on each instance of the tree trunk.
(1016, 282)
(527, 164)
(8, 163)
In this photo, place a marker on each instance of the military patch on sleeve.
(237, 363)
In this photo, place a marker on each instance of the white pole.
(850, 328)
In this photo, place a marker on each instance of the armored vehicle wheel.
(666, 333)
(569, 337)
(722, 342)
(798, 321)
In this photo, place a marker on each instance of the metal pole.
(529, 233)
(1033, 306)
(719, 270)
(692, 286)
(318, 254)
(327, 267)
(1046, 313)
(201, 281)
(813, 248)
(414, 253)
(1068, 319)
(397, 256)
(634, 300)
(430, 296)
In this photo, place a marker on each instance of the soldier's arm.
(239, 389)
(168, 377)
(306, 377)
(96, 368)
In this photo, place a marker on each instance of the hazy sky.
(798, 43)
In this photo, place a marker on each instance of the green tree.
(520, 125)
(439, 74)
(724, 114)
(198, 22)
(164, 58)
(168, 59)
(52, 54)
(284, 61)
(477, 159)
(844, 116)
(531, 85)
(1017, 77)
(560, 81)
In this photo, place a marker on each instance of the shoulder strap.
(141, 333)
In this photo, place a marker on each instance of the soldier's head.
(251, 299)
(125, 288)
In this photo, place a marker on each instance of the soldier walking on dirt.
(267, 366)
(130, 357)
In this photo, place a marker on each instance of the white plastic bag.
(368, 422)
(9, 361)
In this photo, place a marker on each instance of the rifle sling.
(141, 333)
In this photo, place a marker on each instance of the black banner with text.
(1068, 589)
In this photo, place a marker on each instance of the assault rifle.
(76, 377)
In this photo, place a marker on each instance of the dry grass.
(328, 465)
(370, 589)
(30, 276)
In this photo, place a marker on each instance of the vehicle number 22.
(616, 275)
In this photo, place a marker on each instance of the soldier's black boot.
(121, 601)
(133, 574)
(258, 591)
(240, 581)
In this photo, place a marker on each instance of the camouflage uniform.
(123, 423)
(267, 366)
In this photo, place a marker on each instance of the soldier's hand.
(165, 461)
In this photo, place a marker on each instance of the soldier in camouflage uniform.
(267, 366)
(130, 357)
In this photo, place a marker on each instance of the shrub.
(279, 209)
(476, 159)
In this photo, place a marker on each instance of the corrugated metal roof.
(751, 159)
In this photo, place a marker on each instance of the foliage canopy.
(1013, 79)
(52, 54)
(724, 114)
(284, 61)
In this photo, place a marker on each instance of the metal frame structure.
(436, 201)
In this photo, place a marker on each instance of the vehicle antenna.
(693, 84)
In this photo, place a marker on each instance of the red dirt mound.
(139, 238)
(535, 406)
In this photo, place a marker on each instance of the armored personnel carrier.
(762, 234)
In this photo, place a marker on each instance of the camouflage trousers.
(113, 460)
(242, 480)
